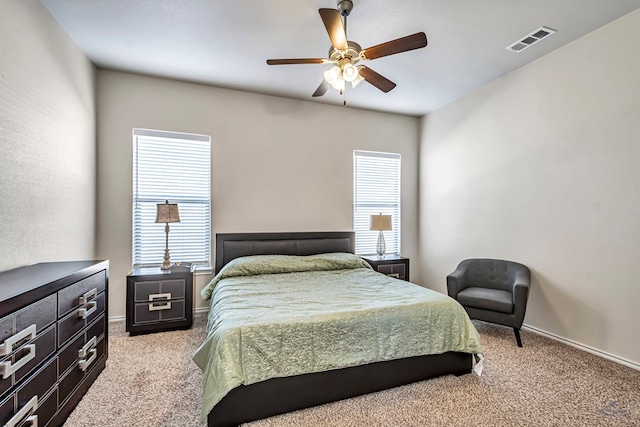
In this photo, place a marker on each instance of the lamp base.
(166, 264)
(381, 247)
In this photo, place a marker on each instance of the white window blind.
(376, 179)
(175, 167)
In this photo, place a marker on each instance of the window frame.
(364, 236)
(200, 200)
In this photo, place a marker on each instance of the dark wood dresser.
(53, 339)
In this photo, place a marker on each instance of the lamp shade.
(167, 212)
(380, 222)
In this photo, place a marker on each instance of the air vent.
(530, 39)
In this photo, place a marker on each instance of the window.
(175, 167)
(376, 182)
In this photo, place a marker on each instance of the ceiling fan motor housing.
(352, 53)
(345, 7)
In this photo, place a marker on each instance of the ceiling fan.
(345, 55)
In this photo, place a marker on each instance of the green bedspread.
(276, 316)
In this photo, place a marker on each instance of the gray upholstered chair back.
(492, 273)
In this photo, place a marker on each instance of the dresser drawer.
(79, 293)
(45, 346)
(78, 371)
(159, 290)
(7, 409)
(32, 397)
(47, 408)
(25, 358)
(39, 384)
(72, 353)
(13, 328)
(79, 318)
(159, 311)
(20, 328)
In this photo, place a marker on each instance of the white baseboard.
(583, 347)
(123, 318)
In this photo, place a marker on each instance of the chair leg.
(517, 332)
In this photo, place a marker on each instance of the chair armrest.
(521, 280)
(455, 281)
(520, 295)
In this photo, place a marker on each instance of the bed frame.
(280, 395)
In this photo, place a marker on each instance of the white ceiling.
(226, 43)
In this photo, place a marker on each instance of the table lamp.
(380, 223)
(167, 212)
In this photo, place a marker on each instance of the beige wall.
(277, 164)
(541, 167)
(47, 140)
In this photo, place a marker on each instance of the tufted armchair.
(492, 290)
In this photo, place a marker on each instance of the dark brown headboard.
(233, 245)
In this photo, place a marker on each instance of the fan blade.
(333, 24)
(403, 44)
(296, 61)
(322, 89)
(379, 81)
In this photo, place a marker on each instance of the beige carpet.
(151, 381)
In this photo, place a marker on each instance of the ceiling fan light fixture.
(332, 75)
(349, 72)
(338, 84)
(356, 82)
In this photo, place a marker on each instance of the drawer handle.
(88, 296)
(7, 369)
(84, 363)
(87, 349)
(153, 297)
(7, 346)
(82, 353)
(155, 306)
(24, 415)
(86, 311)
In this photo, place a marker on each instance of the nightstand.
(159, 300)
(392, 265)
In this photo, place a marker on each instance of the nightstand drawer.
(398, 271)
(392, 265)
(159, 290)
(159, 311)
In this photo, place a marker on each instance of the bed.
(288, 315)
